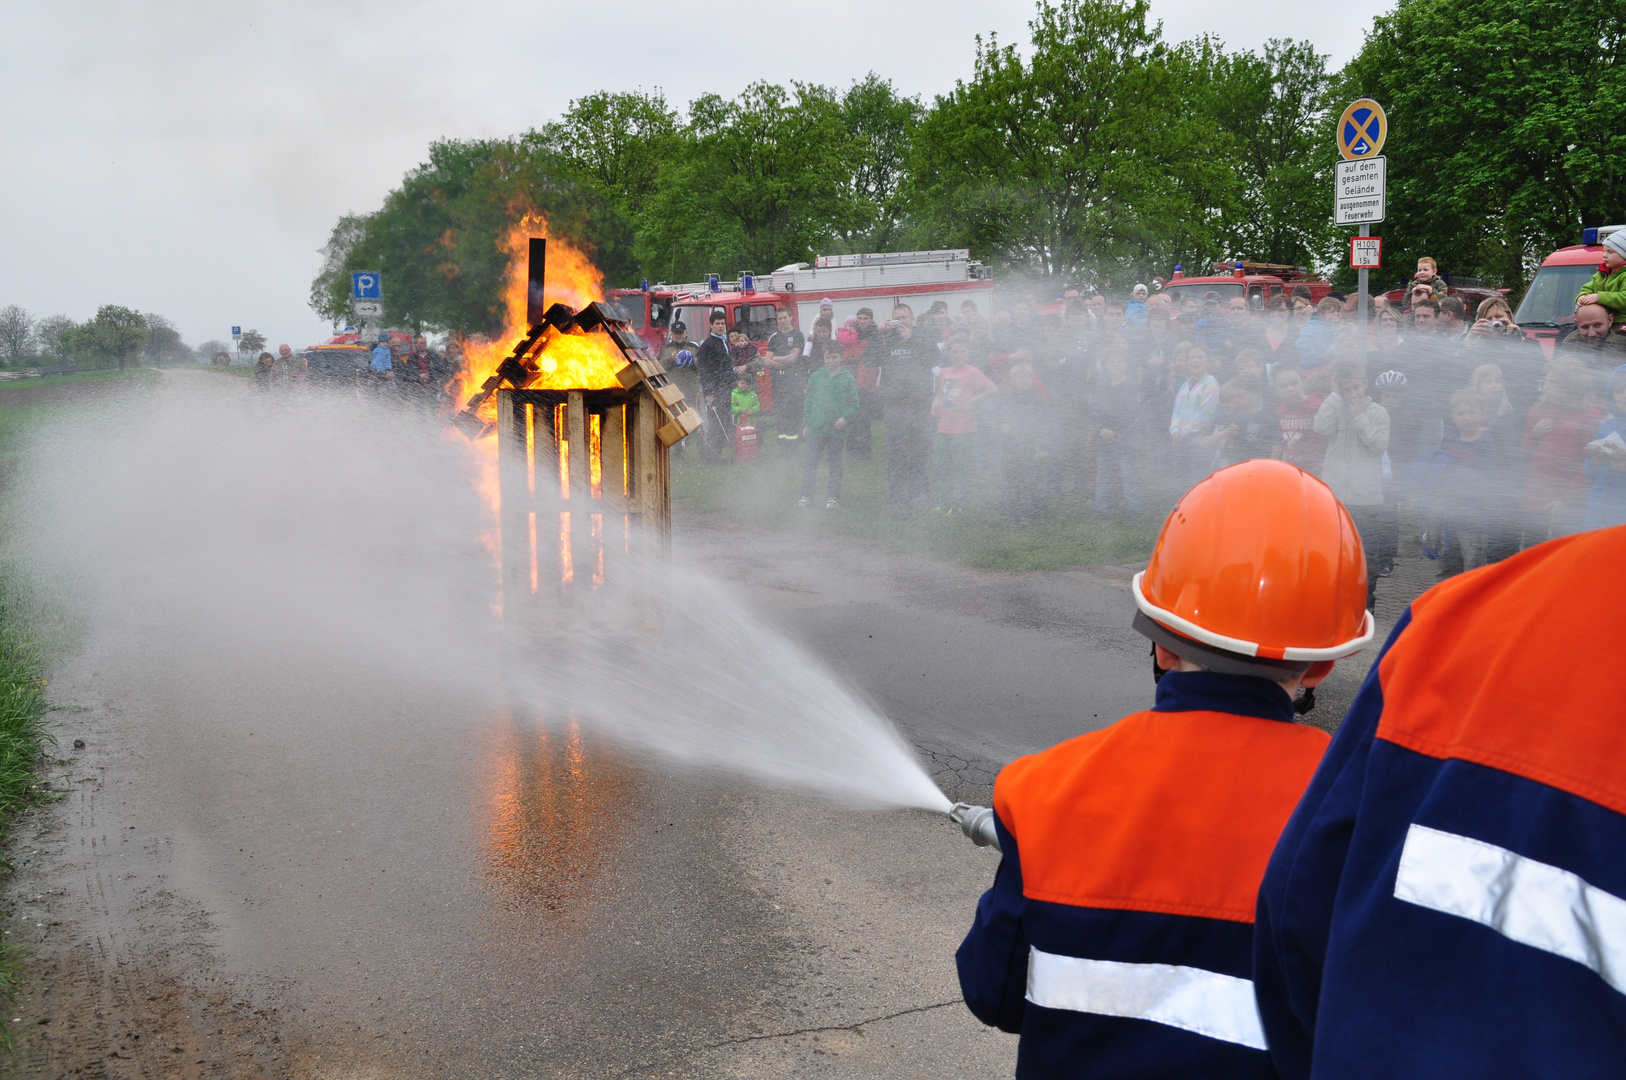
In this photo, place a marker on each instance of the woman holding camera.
(1495, 338)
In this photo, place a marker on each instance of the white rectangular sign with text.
(1358, 197)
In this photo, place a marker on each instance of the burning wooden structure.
(582, 470)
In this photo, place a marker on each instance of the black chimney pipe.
(534, 307)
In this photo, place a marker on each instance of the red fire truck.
(876, 280)
(1256, 282)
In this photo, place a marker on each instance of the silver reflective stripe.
(1206, 1002)
(1524, 900)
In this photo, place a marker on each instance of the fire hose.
(977, 822)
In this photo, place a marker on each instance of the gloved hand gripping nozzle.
(977, 822)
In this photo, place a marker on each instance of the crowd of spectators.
(397, 367)
(1457, 421)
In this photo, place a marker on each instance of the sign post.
(1361, 189)
(367, 300)
(237, 340)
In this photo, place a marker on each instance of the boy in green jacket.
(1607, 288)
(744, 402)
(831, 404)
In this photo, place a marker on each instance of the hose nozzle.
(977, 822)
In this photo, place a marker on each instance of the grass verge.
(32, 630)
(80, 377)
(763, 493)
(23, 736)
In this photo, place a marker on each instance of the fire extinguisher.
(765, 389)
(745, 439)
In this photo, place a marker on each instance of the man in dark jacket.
(716, 363)
(906, 359)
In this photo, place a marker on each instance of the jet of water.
(343, 536)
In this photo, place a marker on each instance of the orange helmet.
(1258, 567)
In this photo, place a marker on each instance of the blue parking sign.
(237, 331)
(366, 285)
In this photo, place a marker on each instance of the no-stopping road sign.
(1362, 130)
(1365, 252)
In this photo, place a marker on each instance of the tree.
(880, 122)
(206, 352)
(1505, 135)
(164, 340)
(757, 182)
(50, 333)
(16, 332)
(436, 240)
(616, 141)
(613, 144)
(252, 342)
(114, 337)
(330, 291)
(1275, 108)
(1089, 161)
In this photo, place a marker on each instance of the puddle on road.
(555, 807)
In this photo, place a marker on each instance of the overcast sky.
(190, 158)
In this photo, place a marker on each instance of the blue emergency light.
(748, 282)
(1589, 237)
(712, 283)
(1178, 268)
(1239, 264)
(644, 284)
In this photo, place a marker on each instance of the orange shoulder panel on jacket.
(1174, 812)
(1515, 666)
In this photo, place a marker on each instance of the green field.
(763, 493)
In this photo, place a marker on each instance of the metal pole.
(1360, 338)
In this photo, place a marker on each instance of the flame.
(567, 361)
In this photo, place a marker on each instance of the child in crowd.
(1466, 486)
(1115, 420)
(745, 354)
(1196, 405)
(1503, 427)
(1315, 341)
(1606, 460)
(1024, 439)
(1251, 372)
(1243, 431)
(1135, 310)
(960, 387)
(1556, 435)
(744, 403)
(1428, 274)
(1357, 432)
(1607, 288)
(1297, 442)
(1405, 430)
(830, 405)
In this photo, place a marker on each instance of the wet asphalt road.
(387, 885)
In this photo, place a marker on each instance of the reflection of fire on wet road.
(552, 812)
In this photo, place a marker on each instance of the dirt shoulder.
(122, 979)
